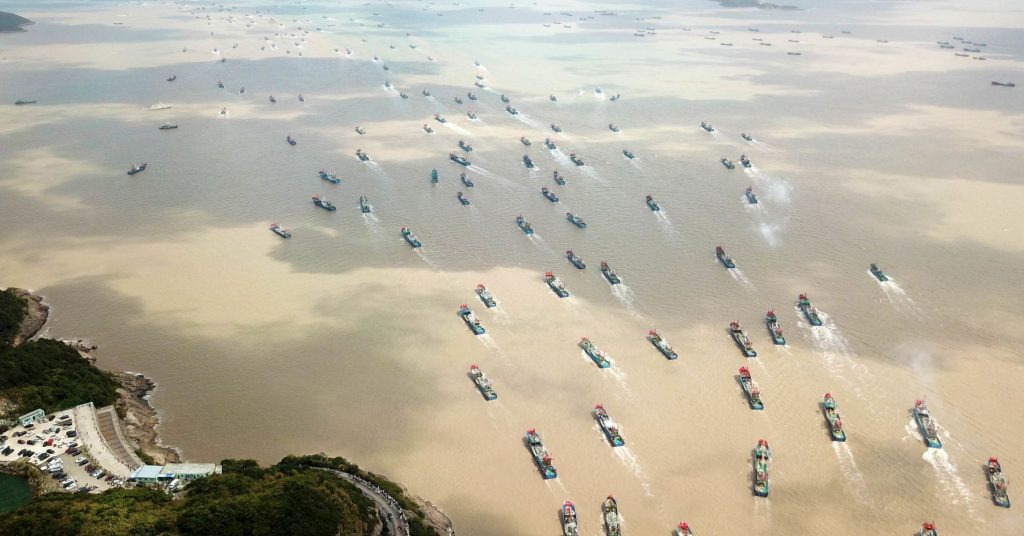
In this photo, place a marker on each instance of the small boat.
(927, 425)
(994, 83)
(280, 231)
(835, 422)
(485, 296)
(741, 339)
(550, 144)
(458, 159)
(168, 126)
(426, 92)
(727, 163)
(751, 196)
(744, 161)
(540, 455)
(877, 272)
(524, 141)
(750, 389)
(548, 194)
(556, 285)
(504, 98)
(961, 55)
(387, 84)
(157, 106)
(483, 384)
(241, 90)
(652, 204)
(762, 457)
(809, 311)
(608, 426)
(409, 237)
(575, 259)
(462, 198)
(471, 114)
(440, 118)
(329, 177)
(746, 136)
(427, 129)
(997, 481)
(511, 109)
(360, 130)
(137, 168)
(575, 159)
(628, 154)
(21, 102)
(972, 49)
(361, 155)
(465, 146)
(928, 529)
(616, 97)
(774, 328)
(552, 98)
(220, 84)
(433, 176)
(324, 203)
(524, 225)
(479, 85)
(661, 344)
(471, 95)
(458, 100)
(576, 220)
(609, 273)
(556, 128)
(597, 89)
(471, 320)
(364, 205)
(527, 161)
(480, 77)
(595, 353)
(707, 126)
(723, 258)
(683, 529)
(466, 180)
(612, 127)
(224, 111)
(559, 179)
(569, 524)
(172, 78)
(610, 512)
(291, 140)
(795, 53)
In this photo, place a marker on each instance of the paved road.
(393, 514)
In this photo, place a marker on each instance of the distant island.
(754, 3)
(9, 22)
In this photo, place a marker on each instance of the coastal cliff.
(9, 22)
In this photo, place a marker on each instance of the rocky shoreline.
(141, 419)
(35, 317)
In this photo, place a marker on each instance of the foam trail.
(834, 347)
(456, 128)
(625, 296)
(523, 118)
(487, 341)
(738, 275)
(948, 477)
(770, 232)
(422, 255)
(853, 479)
(628, 458)
(897, 296)
(618, 375)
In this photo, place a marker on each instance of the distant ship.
(994, 83)
(750, 389)
(997, 481)
(465, 146)
(556, 285)
(569, 524)
(741, 339)
(628, 154)
(172, 78)
(878, 273)
(652, 204)
(549, 194)
(511, 109)
(616, 97)
(220, 84)
(324, 203)
(552, 98)
(809, 311)
(835, 422)
(426, 93)
(409, 237)
(746, 136)
(360, 130)
(556, 128)
(137, 168)
(472, 322)
(608, 426)
(727, 163)
(483, 384)
(575, 159)
(361, 155)
(541, 456)
(774, 328)
(707, 126)
(550, 144)
(433, 176)
(329, 177)
(157, 106)
(559, 179)
(524, 141)
(21, 102)
(527, 161)
(280, 231)
(471, 114)
(762, 457)
(609, 273)
(575, 220)
(927, 425)
(458, 100)
(364, 205)
(504, 99)
(471, 95)
(485, 296)
(427, 129)
(462, 198)
(440, 118)
(744, 161)
(458, 159)
(751, 196)
(723, 258)
(595, 353)
(612, 127)
(575, 259)
(168, 126)
(661, 344)
(610, 513)
(524, 225)
(291, 141)
(466, 180)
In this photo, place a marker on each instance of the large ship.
(458, 159)
(280, 231)
(727, 163)
(595, 353)
(741, 339)
(927, 425)
(877, 272)
(556, 285)
(471, 320)
(527, 161)
(329, 177)
(707, 126)
(323, 203)
(762, 457)
(548, 194)
(575, 259)
(835, 422)
(559, 179)
(483, 384)
(723, 258)
(683, 529)
(550, 144)
(751, 196)
(928, 529)
(609, 274)
(137, 168)
(809, 311)
(524, 225)
(750, 389)
(576, 220)
(610, 512)
(364, 205)
(462, 198)
(608, 426)
(652, 204)
(744, 161)
(569, 524)
(661, 344)
(466, 180)
(485, 296)
(465, 146)
(409, 237)
(575, 159)
(994, 470)
(540, 454)
(774, 328)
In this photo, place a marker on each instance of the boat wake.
(738, 275)
(625, 296)
(456, 128)
(837, 354)
(488, 342)
(527, 120)
(557, 488)
(617, 375)
(948, 477)
(897, 296)
(371, 221)
(628, 458)
(853, 479)
(422, 255)
(778, 191)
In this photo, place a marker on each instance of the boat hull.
(667, 352)
(754, 403)
(933, 443)
(811, 317)
(477, 329)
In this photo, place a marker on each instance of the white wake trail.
(853, 479)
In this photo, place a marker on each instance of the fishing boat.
(527, 161)
(550, 144)
(707, 126)
(652, 204)
(683, 529)
(744, 161)
(433, 176)
(280, 231)
(361, 155)
(360, 130)
(576, 220)
(329, 177)
(172, 78)
(540, 455)
(609, 273)
(241, 90)
(462, 198)
(928, 529)
(559, 179)
(727, 163)
(458, 159)
(471, 95)
(364, 205)
(471, 320)
(877, 272)
(556, 128)
(479, 85)
(616, 97)
(994, 83)
(575, 159)
(440, 118)
(324, 203)
(409, 237)
(610, 513)
(746, 136)
(774, 328)
(595, 353)
(661, 344)
(273, 100)
(291, 140)
(157, 106)
(927, 425)
(504, 98)
(628, 154)
(556, 285)
(723, 258)
(387, 84)
(21, 102)
(458, 100)
(512, 110)
(471, 114)
(223, 111)
(427, 129)
(552, 98)
(762, 457)
(741, 339)
(997, 481)
(751, 196)
(569, 524)
(483, 383)
(301, 98)
(485, 296)
(168, 126)
(137, 168)
(750, 389)
(835, 422)
(608, 426)
(426, 93)
(524, 225)
(525, 141)
(612, 127)
(466, 180)
(575, 259)
(465, 146)
(220, 84)
(809, 311)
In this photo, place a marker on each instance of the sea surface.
(345, 340)
(14, 492)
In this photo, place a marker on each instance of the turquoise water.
(14, 492)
